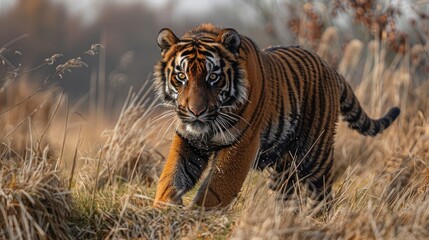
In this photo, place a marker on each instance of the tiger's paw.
(164, 202)
(164, 205)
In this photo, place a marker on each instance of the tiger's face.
(202, 77)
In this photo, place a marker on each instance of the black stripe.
(385, 122)
(331, 87)
(393, 113)
(186, 181)
(279, 131)
(186, 40)
(322, 180)
(341, 80)
(364, 127)
(202, 162)
(348, 107)
(321, 158)
(172, 63)
(321, 128)
(277, 78)
(186, 53)
(168, 72)
(189, 167)
(223, 64)
(344, 93)
(233, 76)
(230, 79)
(376, 128)
(265, 134)
(206, 53)
(208, 60)
(351, 118)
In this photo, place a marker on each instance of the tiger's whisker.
(165, 132)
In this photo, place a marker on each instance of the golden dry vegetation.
(63, 176)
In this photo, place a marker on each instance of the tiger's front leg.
(182, 170)
(227, 176)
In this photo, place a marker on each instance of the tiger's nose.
(197, 111)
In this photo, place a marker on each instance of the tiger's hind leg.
(288, 177)
(319, 183)
(283, 179)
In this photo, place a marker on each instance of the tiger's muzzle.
(197, 120)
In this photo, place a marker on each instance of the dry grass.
(106, 192)
(126, 212)
(128, 154)
(34, 203)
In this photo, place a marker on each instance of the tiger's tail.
(357, 118)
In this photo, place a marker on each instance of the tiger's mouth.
(195, 128)
(197, 125)
(216, 126)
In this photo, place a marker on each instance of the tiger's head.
(202, 76)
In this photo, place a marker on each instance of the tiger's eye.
(181, 76)
(213, 76)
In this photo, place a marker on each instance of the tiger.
(240, 108)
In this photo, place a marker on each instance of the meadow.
(68, 175)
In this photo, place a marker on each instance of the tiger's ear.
(230, 39)
(166, 38)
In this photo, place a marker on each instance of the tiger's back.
(276, 108)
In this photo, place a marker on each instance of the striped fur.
(239, 107)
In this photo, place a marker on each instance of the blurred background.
(80, 58)
(34, 30)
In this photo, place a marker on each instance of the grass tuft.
(34, 203)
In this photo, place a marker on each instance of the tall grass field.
(68, 174)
